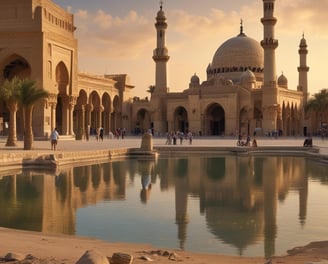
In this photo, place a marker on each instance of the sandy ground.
(62, 249)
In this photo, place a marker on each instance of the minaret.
(160, 55)
(303, 70)
(270, 88)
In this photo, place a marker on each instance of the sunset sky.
(118, 36)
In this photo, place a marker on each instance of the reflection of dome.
(282, 81)
(247, 77)
(236, 228)
(240, 51)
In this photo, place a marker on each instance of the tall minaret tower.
(160, 55)
(303, 70)
(270, 88)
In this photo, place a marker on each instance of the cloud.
(101, 34)
(300, 15)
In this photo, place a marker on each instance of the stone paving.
(135, 142)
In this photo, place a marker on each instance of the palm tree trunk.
(12, 136)
(28, 135)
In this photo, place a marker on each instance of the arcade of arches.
(213, 121)
(72, 115)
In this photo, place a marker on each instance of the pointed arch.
(244, 122)
(214, 120)
(62, 106)
(180, 117)
(106, 114)
(143, 121)
(14, 65)
(116, 114)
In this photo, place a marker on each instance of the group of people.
(172, 137)
(99, 133)
(246, 143)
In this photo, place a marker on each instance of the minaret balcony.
(269, 43)
(303, 68)
(160, 52)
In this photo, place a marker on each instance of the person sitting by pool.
(308, 142)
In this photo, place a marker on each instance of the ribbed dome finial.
(241, 34)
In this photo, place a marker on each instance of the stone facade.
(240, 95)
(37, 42)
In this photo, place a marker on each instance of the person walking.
(101, 134)
(54, 138)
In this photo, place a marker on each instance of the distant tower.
(160, 55)
(303, 70)
(270, 88)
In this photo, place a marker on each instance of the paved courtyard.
(135, 142)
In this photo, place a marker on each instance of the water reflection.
(238, 195)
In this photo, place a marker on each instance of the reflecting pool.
(235, 205)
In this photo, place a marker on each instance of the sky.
(119, 36)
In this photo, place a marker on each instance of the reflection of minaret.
(181, 203)
(303, 195)
(270, 89)
(270, 192)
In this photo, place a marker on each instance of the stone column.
(72, 103)
(99, 121)
(89, 109)
(52, 100)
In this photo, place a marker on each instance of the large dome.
(237, 53)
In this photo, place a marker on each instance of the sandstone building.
(241, 94)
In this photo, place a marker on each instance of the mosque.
(241, 94)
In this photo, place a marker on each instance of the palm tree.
(29, 96)
(318, 105)
(10, 93)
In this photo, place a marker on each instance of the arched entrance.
(79, 116)
(14, 65)
(180, 120)
(214, 120)
(143, 122)
(116, 114)
(244, 125)
(62, 106)
(106, 102)
(96, 110)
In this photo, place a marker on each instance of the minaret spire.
(241, 34)
(161, 57)
(303, 69)
(270, 88)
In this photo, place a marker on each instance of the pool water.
(226, 204)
